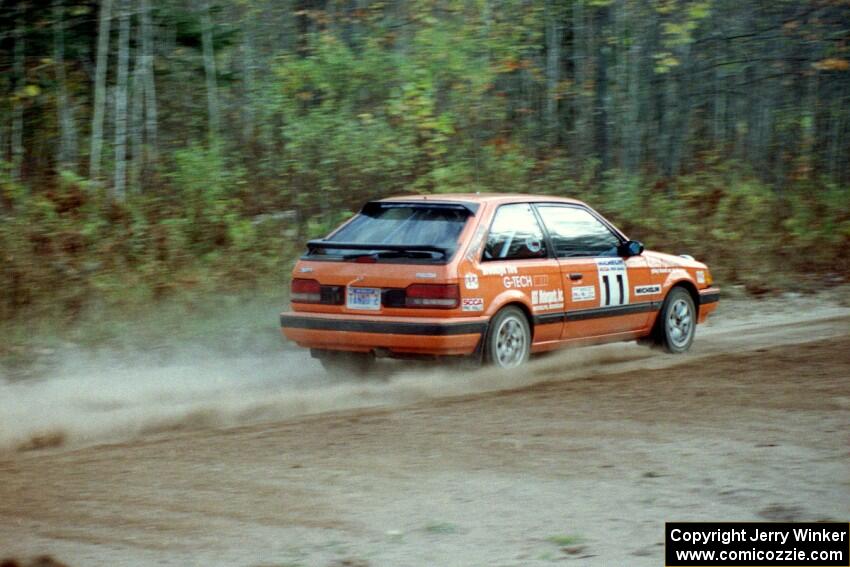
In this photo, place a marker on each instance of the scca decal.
(472, 304)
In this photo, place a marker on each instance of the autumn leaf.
(831, 64)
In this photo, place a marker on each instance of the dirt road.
(579, 459)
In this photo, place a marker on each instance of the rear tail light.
(434, 296)
(310, 291)
(305, 291)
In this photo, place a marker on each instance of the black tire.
(677, 322)
(508, 340)
(342, 363)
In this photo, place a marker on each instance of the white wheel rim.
(680, 322)
(511, 343)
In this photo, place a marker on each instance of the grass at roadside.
(229, 324)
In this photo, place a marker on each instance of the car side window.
(575, 232)
(514, 235)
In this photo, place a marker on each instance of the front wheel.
(508, 341)
(677, 321)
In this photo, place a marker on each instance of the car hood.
(659, 259)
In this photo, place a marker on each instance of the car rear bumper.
(708, 301)
(427, 336)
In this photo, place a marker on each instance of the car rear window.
(401, 224)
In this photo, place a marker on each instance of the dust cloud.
(111, 398)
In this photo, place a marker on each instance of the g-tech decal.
(547, 299)
(584, 293)
(472, 304)
(517, 282)
(470, 281)
(647, 289)
(613, 281)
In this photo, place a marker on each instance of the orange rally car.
(495, 277)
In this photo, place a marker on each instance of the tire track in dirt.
(96, 401)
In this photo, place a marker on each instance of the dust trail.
(103, 399)
(109, 400)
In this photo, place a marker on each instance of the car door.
(516, 260)
(602, 290)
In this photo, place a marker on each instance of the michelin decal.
(647, 289)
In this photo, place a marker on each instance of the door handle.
(575, 277)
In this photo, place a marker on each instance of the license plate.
(366, 298)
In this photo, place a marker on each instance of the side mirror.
(630, 248)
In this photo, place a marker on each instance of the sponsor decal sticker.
(472, 304)
(533, 244)
(661, 270)
(475, 246)
(470, 281)
(306, 270)
(541, 281)
(700, 276)
(584, 293)
(498, 269)
(613, 281)
(517, 282)
(547, 299)
(647, 289)
(426, 275)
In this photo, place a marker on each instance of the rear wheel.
(342, 363)
(677, 321)
(508, 339)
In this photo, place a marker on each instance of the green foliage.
(645, 110)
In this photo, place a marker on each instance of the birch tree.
(18, 69)
(119, 185)
(66, 156)
(149, 82)
(99, 89)
(209, 70)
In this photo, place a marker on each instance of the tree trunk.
(553, 64)
(209, 70)
(66, 157)
(119, 188)
(600, 111)
(18, 68)
(99, 89)
(248, 69)
(149, 84)
(136, 112)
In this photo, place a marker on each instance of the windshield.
(399, 225)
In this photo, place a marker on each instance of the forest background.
(163, 161)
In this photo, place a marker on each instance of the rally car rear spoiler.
(326, 244)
